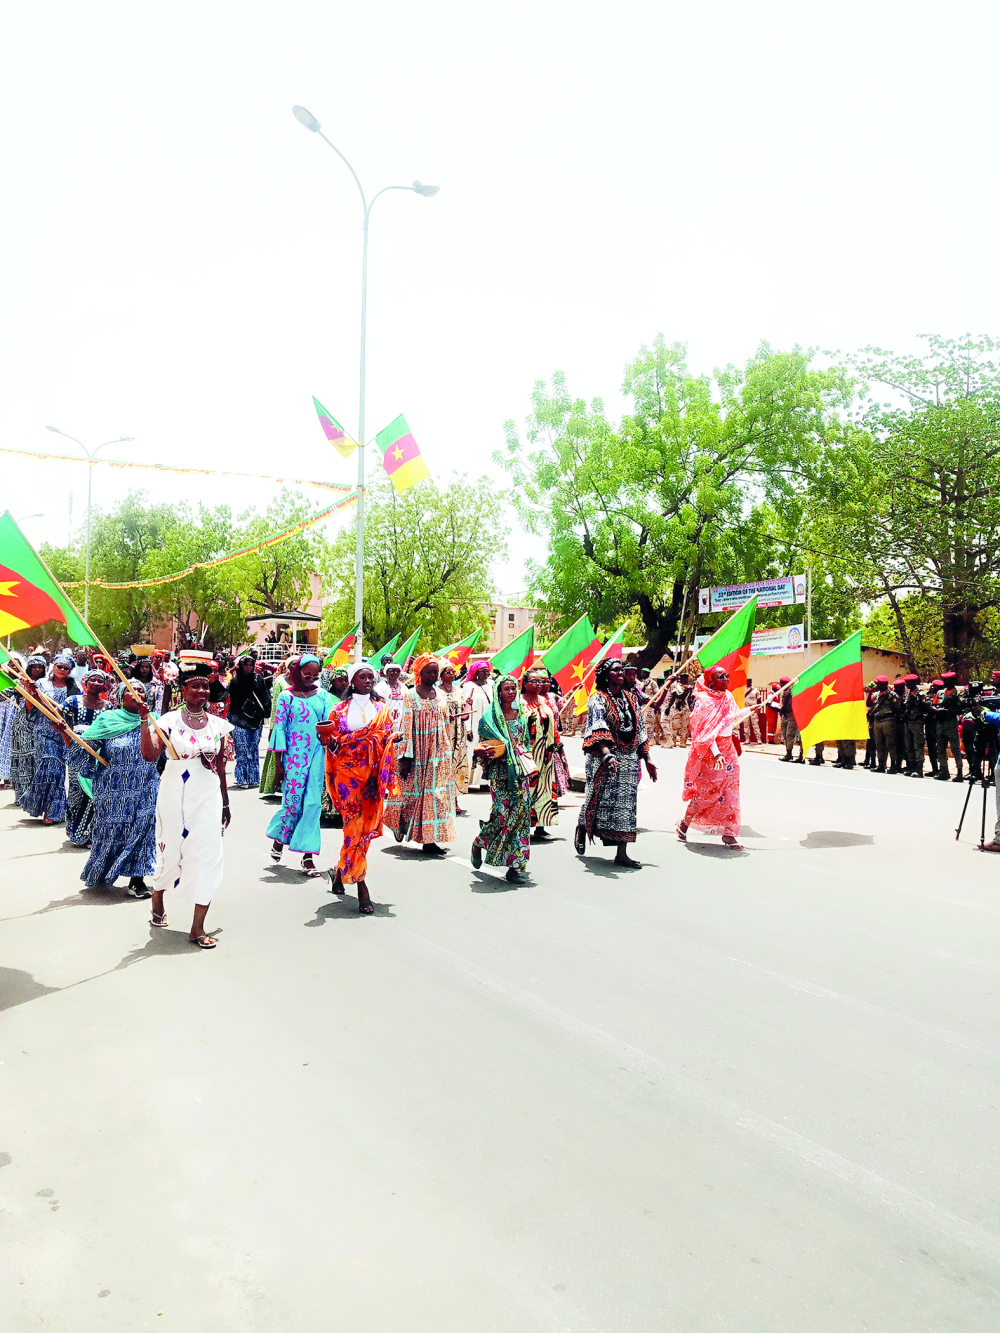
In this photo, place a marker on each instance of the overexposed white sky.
(181, 259)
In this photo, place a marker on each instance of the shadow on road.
(99, 897)
(606, 869)
(346, 909)
(482, 882)
(833, 838)
(18, 987)
(716, 849)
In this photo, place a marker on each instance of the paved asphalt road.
(738, 1093)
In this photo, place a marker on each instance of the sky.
(181, 259)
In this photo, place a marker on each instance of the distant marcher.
(504, 750)
(423, 809)
(153, 688)
(948, 708)
(789, 727)
(300, 765)
(47, 794)
(712, 772)
(123, 796)
(268, 784)
(478, 699)
(192, 807)
(458, 720)
(249, 703)
(79, 713)
(26, 719)
(614, 742)
(547, 751)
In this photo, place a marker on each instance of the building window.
(510, 618)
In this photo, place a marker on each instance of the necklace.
(194, 719)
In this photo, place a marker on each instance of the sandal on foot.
(628, 863)
(476, 855)
(736, 846)
(682, 833)
(162, 921)
(204, 942)
(336, 882)
(310, 869)
(366, 909)
(276, 855)
(580, 840)
(514, 876)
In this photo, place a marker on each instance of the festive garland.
(225, 559)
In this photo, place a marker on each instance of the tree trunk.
(661, 622)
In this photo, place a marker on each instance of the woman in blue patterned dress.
(78, 714)
(124, 799)
(22, 733)
(47, 794)
(505, 838)
(8, 716)
(299, 762)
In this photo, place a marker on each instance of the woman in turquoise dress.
(505, 838)
(299, 762)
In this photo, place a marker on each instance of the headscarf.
(351, 671)
(36, 659)
(713, 714)
(420, 662)
(493, 726)
(64, 659)
(478, 666)
(117, 721)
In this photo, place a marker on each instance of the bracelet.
(225, 807)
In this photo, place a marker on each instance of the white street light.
(91, 455)
(307, 119)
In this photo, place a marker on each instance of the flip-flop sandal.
(681, 833)
(162, 921)
(336, 883)
(205, 942)
(366, 909)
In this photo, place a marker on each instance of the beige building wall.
(507, 623)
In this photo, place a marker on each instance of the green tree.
(908, 501)
(427, 562)
(672, 498)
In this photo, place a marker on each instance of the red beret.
(784, 680)
(948, 675)
(911, 677)
(881, 680)
(937, 682)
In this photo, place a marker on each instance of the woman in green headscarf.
(124, 798)
(505, 753)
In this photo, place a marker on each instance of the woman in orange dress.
(360, 773)
(712, 771)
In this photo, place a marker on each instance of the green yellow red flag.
(611, 648)
(29, 595)
(459, 653)
(334, 431)
(729, 647)
(384, 653)
(572, 653)
(403, 654)
(828, 699)
(512, 660)
(5, 681)
(401, 456)
(343, 650)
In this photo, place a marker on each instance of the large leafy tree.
(908, 502)
(428, 554)
(673, 497)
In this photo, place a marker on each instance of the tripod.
(986, 781)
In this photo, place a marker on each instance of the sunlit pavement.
(730, 1091)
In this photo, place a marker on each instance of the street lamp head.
(305, 118)
(54, 429)
(426, 190)
(126, 439)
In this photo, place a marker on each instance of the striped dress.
(423, 811)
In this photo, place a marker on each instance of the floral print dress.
(506, 836)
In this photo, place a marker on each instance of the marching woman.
(505, 838)
(614, 741)
(192, 808)
(8, 716)
(79, 713)
(546, 751)
(712, 771)
(268, 779)
(22, 734)
(249, 705)
(299, 765)
(122, 795)
(47, 794)
(478, 694)
(458, 720)
(360, 773)
(423, 810)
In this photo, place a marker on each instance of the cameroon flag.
(512, 660)
(401, 455)
(571, 654)
(343, 650)
(403, 655)
(729, 647)
(378, 659)
(459, 653)
(828, 700)
(334, 431)
(29, 595)
(612, 648)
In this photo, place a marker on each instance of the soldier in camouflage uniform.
(930, 723)
(948, 709)
(885, 707)
(913, 722)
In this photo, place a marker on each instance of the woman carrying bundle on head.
(299, 766)
(360, 774)
(712, 771)
(192, 808)
(614, 741)
(504, 750)
(122, 795)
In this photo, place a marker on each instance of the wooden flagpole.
(48, 708)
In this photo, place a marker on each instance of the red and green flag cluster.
(611, 648)
(343, 650)
(459, 653)
(402, 655)
(518, 654)
(29, 595)
(828, 699)
(572, 653)
(379, 659)
(401, 456)
(334, 431)
(729, 647)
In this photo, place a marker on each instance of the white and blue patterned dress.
(124, 812)
(47, 794)
(79, 809)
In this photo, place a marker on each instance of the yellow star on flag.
(397, 453)
(826, 691)
(7, 589)
(579, 671)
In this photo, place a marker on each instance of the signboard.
(785, 639)
(770, 592)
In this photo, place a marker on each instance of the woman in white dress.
(192, 808)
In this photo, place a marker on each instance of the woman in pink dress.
(712, 771)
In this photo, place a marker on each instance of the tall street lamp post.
(307, 119)
(91, 455)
